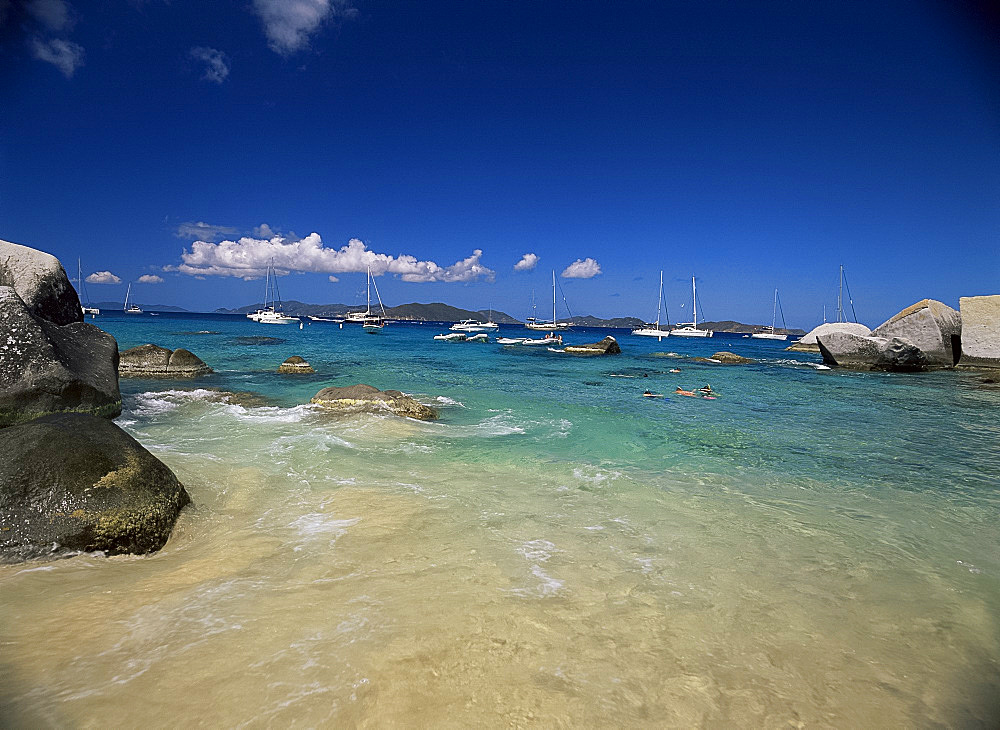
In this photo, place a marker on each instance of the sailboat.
(271, 313)
(533, 324)
(772, 335)
(82, 288)
(130, 309)
(656, 331)
(373, 323)
(690, 329)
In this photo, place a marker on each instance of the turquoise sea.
(812, 548)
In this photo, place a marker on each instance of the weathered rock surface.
(47, 368)
(295, 365)
(731, 358)
(932, 326)
(808, 342)
(608, 346)
(153, 361)
(40, 282)
(871, 353)
(71, 482)
(366, 398)
(980, 331)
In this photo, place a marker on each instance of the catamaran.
(130, 309)
(690, 329)
(533, 324)
(81, 287)
(771, 334)
(373, 323)
(656, 331)
(271, 313)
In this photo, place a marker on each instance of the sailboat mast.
(553, 297)
(659, 301)
(774, 311)
(840, 296)
(694, 304)
(127, 292)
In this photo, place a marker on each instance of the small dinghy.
(482, 337)
(510, 340)
(452, 337)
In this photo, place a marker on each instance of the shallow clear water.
(813, 548)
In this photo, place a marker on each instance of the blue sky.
(754, 145)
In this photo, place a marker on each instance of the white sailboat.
(532, 324)
(690, 329)
(271, 313)
(130, 309)
(771, 334)
(373, 323)
(81, 288)
(656, 331)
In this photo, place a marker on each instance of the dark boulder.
(153, 361)
(73, 482)
(369, 399)
(607, 346)
(295, 365)
(871, 353)
(41, 283)
(48, 368)
(731, 358)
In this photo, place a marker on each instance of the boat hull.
(768, 336)
(690, 332)
(651, 332)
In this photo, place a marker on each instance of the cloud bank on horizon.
(248, 258)
(586, 268)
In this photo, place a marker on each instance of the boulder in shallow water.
(41, 283)
(980, 331)
(930, 325)
(731, 358)
(73, 482)
(295, 365)
(808, 343)
(368, 399)
(153, 361)
(49, 368)
(871, 353)
(608, 346)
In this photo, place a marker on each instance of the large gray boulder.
(369, 399)
(808, 342)
(871, 353)
(608, 346)
(153, 361)
(48, 368)
(980, 331)
(72, 482)
(930, 325)
(40, 282)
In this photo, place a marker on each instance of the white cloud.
(150, 279)
(527, 262)
(216, 63)
(333, 279)
(582, 269)
(264, 231)
(103, 277)
(202, 231)
(288, 24)
(54, 15)
(248, 258)
(64, 55)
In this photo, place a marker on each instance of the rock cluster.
(70, 479)
(808, 342)
(368, 399)
(980, 331)
(295, 365)
(731, 358)
(607, 346)
(153, 361)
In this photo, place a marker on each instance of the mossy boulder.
(153, 361)
(74, 482)
(731, 358)
(369, 399)
(295, 365)
(608, 346)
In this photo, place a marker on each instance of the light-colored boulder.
(40, 282)
(980, 331)
(808, 342)
(608, 346)
(930, 325)
(153, 361)
(47, 368)
(368, 399)
(295, 365)
(871, 353)
(731, 358)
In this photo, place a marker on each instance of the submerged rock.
(930, 325)
(72, 482)
(366, 398)
(295, 365)
(153, 361)
(258, 340)
(607, 346)
(41, 283)
(808, 342)
(980, 331)
(50, 368)
(731, 358)
(871, 353)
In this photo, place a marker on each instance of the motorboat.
(452, 337)
(510, 340)
(481, 337)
